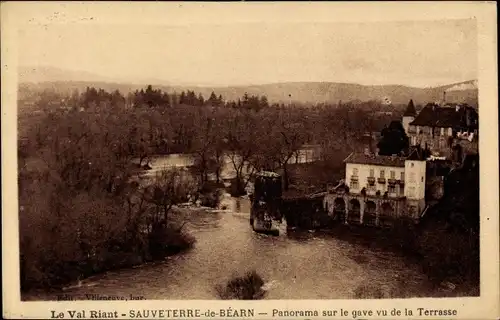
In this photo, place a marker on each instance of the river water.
(306, 266)
(294, 266)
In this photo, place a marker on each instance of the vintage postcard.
(280, 160)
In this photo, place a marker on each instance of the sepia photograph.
(244, 160)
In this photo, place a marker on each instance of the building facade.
(377, 190)
(308, 153)
(446, 130)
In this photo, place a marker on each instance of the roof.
(377, 160)
(435, 116)
(410, 110)
(416, 153)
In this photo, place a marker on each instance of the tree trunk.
(285, 176)
(239, 184)
(217, 175)
(218, 168)
(165, 213)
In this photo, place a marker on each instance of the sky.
(414, 53)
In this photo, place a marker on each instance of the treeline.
(156, 98)
(249, 131)
(343, 120)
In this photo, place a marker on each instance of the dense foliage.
(246, 287)
(394, 140)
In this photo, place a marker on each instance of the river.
(294, 266)
(306, 154)
(305, 266)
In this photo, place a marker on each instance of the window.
(402, 176)
(400, 190)
(412, 176)
(413, 141)
(371, 188)
(442, 131)
(354, 185)
(382, 174)
(393, 174)
(372, 173)
(355, 171)
(391, 188)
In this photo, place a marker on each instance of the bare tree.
(169, 188)
(242, 138)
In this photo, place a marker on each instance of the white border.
(15, 15)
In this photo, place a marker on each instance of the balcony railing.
(381, 180)
(391, 181)
(371, 180)
(354, 178)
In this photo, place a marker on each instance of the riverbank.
(122, 252)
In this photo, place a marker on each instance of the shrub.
(211, 199)
(247, 287)
(167, 240)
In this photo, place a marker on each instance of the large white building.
(379, 189)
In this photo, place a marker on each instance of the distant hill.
(35, 79)
(52, 74)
